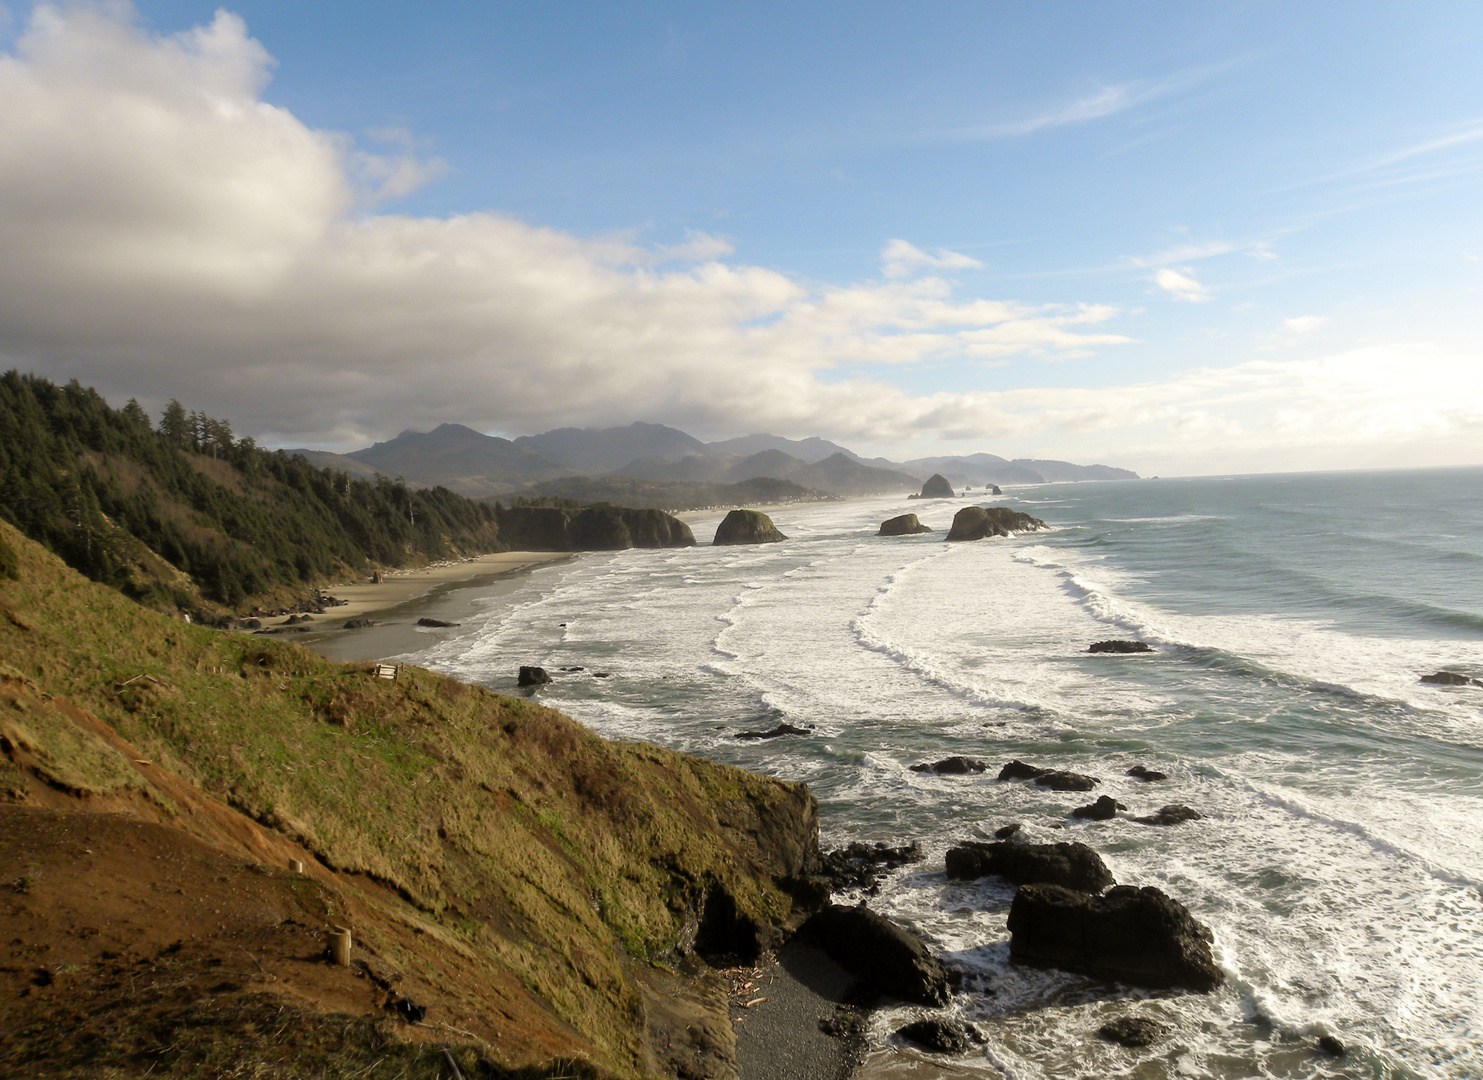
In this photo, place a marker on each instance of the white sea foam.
(1337, 862)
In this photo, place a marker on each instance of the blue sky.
(1185, 238)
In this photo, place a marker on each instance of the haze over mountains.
(472, 463)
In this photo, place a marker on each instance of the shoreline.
(406, 595)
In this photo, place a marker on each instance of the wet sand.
(449, 592)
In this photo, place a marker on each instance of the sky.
(1178, 238)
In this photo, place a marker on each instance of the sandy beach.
(397, 587)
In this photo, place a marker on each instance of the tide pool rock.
(1150, 776)
(977, 522)
(1139, 936)
(747, 527)
(1173, 814)
(888, 958)
(1059, 780)
(905, 525)
(1450, 678)
(1074, 866)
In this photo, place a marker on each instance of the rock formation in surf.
(887, 958)
(1074, 866)
(905, 525)
(600, 527)
(936, 487)
(747, 527)
(1119, 646)
(977, 522)
(1139, 936)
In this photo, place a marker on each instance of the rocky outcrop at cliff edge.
(977, 522)
(905, 525)
(885, 957)
(1139, 936)
(600, 527)
(936, 487)
(747, 527)
(1075, 866)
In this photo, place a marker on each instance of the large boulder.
(1139, 936)
(937, 487)
(747, 527)
(1075, 866)
(952, 766)
(1104, 809)
(977, 522)
(1173, 814)
(888, 959)
(905, 525)
(533, 676)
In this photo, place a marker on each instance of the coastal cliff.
(515, 887)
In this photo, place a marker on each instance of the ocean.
(1339, 861)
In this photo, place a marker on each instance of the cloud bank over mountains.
(166, 232)
(166, 227)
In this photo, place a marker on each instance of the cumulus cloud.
(1180, 286)
(1304, 324)
(166, 232)
(901, 259)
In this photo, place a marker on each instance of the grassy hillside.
(186, 511)
(526, 879)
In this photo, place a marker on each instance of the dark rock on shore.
(936, 487)
(952, 766)
(1150, 775)
(1104, 809)
(425, 621)
(747, 527)
(1173, 814)
(1074, 866)
(1119, 646)
(533, 676)
(359, 624)
(1332, 1046)
(773, 733)
(861, 866)
(1133, 1031)
(1007, 831)
(885, 957)
(977, 522)
(905, 525)
(251, 624)
(1450, 678)
(1139, 936)
(939, 1036)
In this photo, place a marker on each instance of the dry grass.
(554, 854)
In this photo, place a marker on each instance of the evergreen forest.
(179, 511)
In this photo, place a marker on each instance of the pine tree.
(174, 424)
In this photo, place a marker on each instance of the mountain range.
(472, 463)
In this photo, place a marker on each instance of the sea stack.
(937, 487)
(977, 522)
(747, 527)
(905, 525)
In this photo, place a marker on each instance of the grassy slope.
(519, 837)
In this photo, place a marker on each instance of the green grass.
(546, 849)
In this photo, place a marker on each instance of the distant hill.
(459, 458)
(671, 495)
(807, 450)
(837, 474)
(486, 466)
(603, 450)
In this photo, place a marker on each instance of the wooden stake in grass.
(297, 866)
(340, 945)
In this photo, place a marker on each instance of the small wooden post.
(340, 945)
(297, 866)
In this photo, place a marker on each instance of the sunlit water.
(1341, 855)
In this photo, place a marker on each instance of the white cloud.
(901, 259)
(1304, 324)
(1180, 286)
(168, 233)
